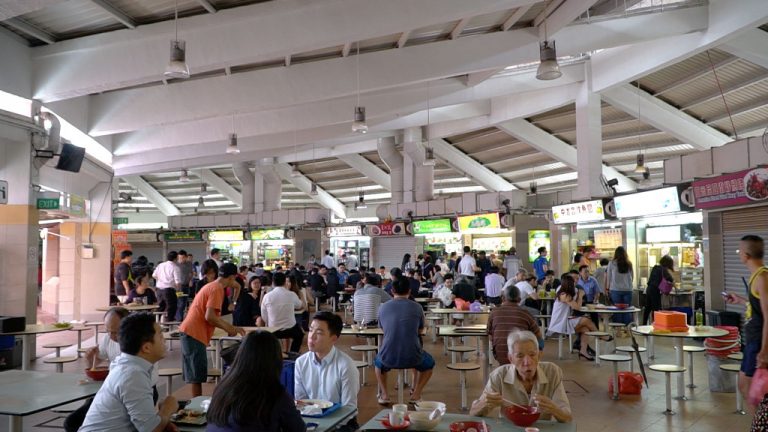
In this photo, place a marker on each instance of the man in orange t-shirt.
(197, 329)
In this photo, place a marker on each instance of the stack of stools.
(615, 359)
(690, 349)
(169, 373)
(735, 368)
(630, 351)
(597, 335)
(59, 360)
(463, 368)
(668, 369)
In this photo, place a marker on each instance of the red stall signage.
(743, 187)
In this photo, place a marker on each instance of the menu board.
(655, 202)
(666, 234)
(433, 226)
(183, 236)
(743, 187)
(273, 234)
(587, 211)
(537, 239)
(479, 223)
(608, 239)
(344, 231)
(225, 235)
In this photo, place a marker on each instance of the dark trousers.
(168, 303)
(76, 418)
(652, 304)
(493, 300)
(295, 334)
(181, 308)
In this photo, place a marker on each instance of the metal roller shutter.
(389, 251)
(737, 224)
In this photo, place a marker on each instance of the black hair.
(334, 322)
(183, 252)
(209, 265)
(372, 279)
(582, 267)
(604, 262)
(401, 286)
(135, 331)
(172, 255)
(755, 246)
(125, 254)
(396, 272)
(214, 251)
(667, 262)
(406, 260)
(622, 261)
(278, 279)
(549, 273)
(382, 267)
(467, 249)
(577, 258)
(494, 269)
(252, 385)
(573, 271)
(542, 250)
(567, 286)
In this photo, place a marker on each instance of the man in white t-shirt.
(278, 310)
(529, 297)
(327, 260)
(511, 264)
(467, 265)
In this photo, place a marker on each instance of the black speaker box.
(12, 324)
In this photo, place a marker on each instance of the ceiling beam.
(726, 20)
(558, 150)
(346, 48)
(461, 162)
(459, 27)
(750, 46)
(30, 30)
(664, 117)
(403, 39)
(565, 14)
(222, 187)
(368, 169)
(127, 110)
(304, 184)
(515, 17)
(207, 6)
(152, 195)
(116, 59)
(115, 13)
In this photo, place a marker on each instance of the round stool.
(79, 331)
(463, 349)
(543, 319)
(57, 346)
(739, 356)
(95, 326)
(735, 369)
(628, 350)
(615, 327)
(361, 366)
(560, 337)
(463, 368)
(59, 362)
(169, 373)
(615, 359)
(346, 306)
(367, 351)
(690, 349)
(668, 370)
(215, 374)
(432, 321)
(597, 335)
(158, 315)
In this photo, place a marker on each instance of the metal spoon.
(434, 414)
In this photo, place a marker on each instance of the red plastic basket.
(724, 345)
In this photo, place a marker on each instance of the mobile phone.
(725, 294)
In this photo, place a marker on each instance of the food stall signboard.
(387, 229)
(344, 231)
(654, 202)
(587, 211)
(743, 187)
(225, 235)
(665, 234)
(434, 226)
(608, 239)
(479, 223)
(183, 236)
(273, 234)
(537, 239)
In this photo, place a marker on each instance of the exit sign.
(48, 203)
(119, 221)
(3, 192)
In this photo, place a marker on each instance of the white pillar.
(589, 140)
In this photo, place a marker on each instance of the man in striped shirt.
(367, 300)
(506, 318)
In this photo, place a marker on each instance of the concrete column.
(423, 176)
(243, 174)
(409, 172)
(271, 184)
(18, 227)
(589, 140)
(394, 161)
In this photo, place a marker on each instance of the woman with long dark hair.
(569, 299)
(251, 397)
(620, 282)
(662, 270)
(406, 264)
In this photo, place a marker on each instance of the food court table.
(28, 337)
(703, 332)
(131, 307)
(369, 332)
(605, 313)
(324, 424)
(494, 424)
(479, 331)
(23, 393)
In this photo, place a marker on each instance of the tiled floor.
(587, 387)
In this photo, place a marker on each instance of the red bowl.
(522, 417)
(403, 425)
(98, 374)
(469, 426)
(621, 305)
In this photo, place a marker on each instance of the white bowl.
(420, 420)
(431, 406)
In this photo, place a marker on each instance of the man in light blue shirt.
(590, 284)
(124, 402)
(326, 372)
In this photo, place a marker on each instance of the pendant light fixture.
(361, 201)
(203, 190)
(200, 202)
(232, 147)
(184, 177)
(429, 152)
(177, 66)
(359, 124)
(640, 168)
(548, 69)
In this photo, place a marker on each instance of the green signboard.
(185, 236)
(273, 234)
(433, 226)
(537, 239)
(48, 203)
(119, 220)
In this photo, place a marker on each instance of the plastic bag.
(758, 388)
(461, 304)
(475, 306)
(630, 383)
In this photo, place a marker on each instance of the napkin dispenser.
(10, 324)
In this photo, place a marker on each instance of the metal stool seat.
(668, 370)
(57, 346)
(169, 373)
(59, 362)
(690, 349)
(630, 351)
(615, 359)
(463, 368)
(597, 335)
(735, 369)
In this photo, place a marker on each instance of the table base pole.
(15, 424)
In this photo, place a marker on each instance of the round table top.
(454, 311)
(667, 368)
(131, 307)
(610, 311)
(377, 331)
(38, 329)
(692, 332)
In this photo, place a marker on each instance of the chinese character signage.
(608, 239)
(183, 236)
(743, 187)
(387, 229)
(225, 235)
(588, 211)
(344, 231)
(434, 226)
(479, 223)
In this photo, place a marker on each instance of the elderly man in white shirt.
(326, 372)
(167, 276)
(278, 309)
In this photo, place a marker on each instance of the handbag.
(665, 287)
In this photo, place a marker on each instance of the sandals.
(383, 401)
(590, 358)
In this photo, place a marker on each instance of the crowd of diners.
(250, 395)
